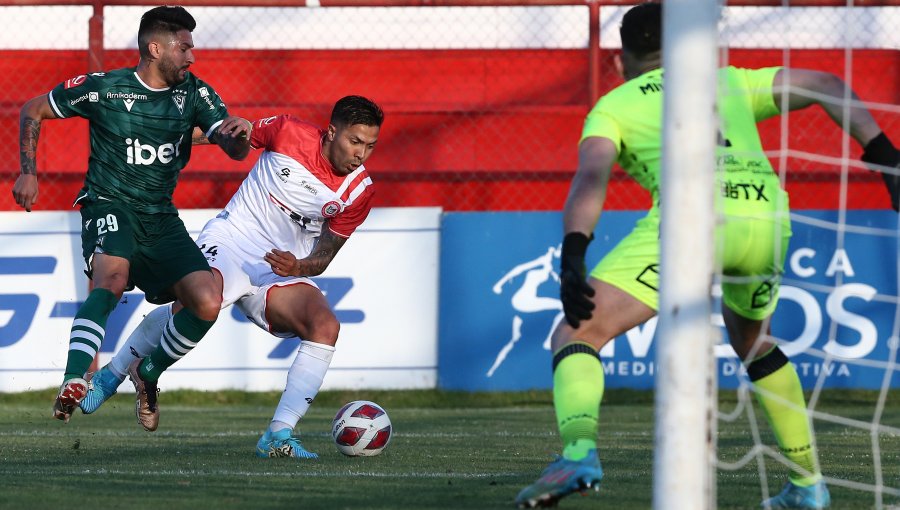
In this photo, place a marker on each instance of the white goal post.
(684, 472)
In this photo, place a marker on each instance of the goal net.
(838, 316)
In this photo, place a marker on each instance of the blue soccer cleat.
(282, 444)
(793, 496)
(103, 385)
(561, 478)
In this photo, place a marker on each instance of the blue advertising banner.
(499, 302)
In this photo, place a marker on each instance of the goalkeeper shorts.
(750, 251)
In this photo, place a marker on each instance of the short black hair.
(352, 110)
(641, 29)
(165, 18)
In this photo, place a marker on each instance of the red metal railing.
(406, 177)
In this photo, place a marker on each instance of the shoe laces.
(294, 443)
(290, 440)
(152, 392)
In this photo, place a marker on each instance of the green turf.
(450, 450)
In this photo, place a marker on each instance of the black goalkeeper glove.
(574, 291)
(880, 151)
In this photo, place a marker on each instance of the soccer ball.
(361, 429)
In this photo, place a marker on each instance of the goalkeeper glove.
(880, 151)
(574, 291)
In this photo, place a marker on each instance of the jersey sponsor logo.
(744, 190)
(284, 174)
(93, 97)
(651, 88)
(204, 92)
(209, 101)
(127, 97)
(145, 154)
(78, 100)
(309, 187)
(76, 81)
(267, 121)
(331, 208)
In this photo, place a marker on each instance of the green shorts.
(750, 253)
(158, 246)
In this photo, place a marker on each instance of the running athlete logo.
(526, 299)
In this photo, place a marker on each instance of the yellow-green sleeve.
(759, 85)
(599, 123)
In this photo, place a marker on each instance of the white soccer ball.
(361, 429)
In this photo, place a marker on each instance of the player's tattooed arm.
(25, 190)
(233, 136)
(284, 263)
(199, 138)
(29, 132)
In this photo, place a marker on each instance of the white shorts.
(246, 276)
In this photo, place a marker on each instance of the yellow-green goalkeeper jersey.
(631, 116)
(140, 136)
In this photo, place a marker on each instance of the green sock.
(181, 334)
(577, 392)
(87, 332)
(784, 405)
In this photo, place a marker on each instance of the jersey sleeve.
(265, 131)
(352, 217)
(76, 97)
(758, 83)
(600, 123)
(209, 107)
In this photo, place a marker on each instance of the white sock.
(303, 382)
(142, 341)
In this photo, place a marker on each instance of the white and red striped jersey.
(292, 189)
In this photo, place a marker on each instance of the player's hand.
(235, 127)
(283, 262)
(25, 191)
(233, 137)
(886, 158)
(574, 291)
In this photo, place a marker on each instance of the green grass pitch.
(449, 450)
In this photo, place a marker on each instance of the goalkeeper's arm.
(805, 87)
(584, 204)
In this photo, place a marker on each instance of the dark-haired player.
(302, 200)
(621, 292)
(141, 120)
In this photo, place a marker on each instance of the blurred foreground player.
(621, 292)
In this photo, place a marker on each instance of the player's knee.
(322, 328)
(207, 305)
(593, 332)
(209, 308)
(115, 282)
